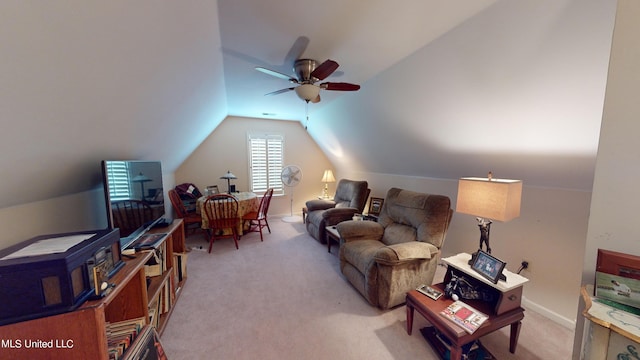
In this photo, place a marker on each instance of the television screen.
(134, 197)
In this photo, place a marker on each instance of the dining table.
(247, 202)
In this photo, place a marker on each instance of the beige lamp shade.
(327, 177)
(494, 199)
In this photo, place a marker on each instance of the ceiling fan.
(308, 72)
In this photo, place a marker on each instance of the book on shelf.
(464, 316)
(146, 346)
(121, 334)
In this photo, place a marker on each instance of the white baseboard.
(553, 316)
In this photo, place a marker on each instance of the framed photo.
(488, 266)
(375, 205)
(433, 293)
(618, 277)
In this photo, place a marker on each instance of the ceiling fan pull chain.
(306, 110)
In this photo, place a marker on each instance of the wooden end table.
(430, 310)
(332, 235)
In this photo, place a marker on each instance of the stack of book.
(121, 335)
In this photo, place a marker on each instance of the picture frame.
(488, 266)
(617, 278)
(375, 206)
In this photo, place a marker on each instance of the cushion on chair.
(399, 253)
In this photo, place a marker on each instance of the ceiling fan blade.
(276, 74)
(279, 91)
(325, 69)
(340, 86)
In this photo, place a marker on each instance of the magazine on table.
(464, 316)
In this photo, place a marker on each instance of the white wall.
(226, 149)
(613, 223)
(549, 234)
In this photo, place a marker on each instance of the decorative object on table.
(489, 199)
(427, 290)
(327, 178)
(375, 206)
(212, 190)
(618, 279)
(459, 287)
(489, 267)
(141, 178)
(350, 198)
(228, 176)
(291, 176)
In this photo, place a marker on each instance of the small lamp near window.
(489, 199)
(228, 176)
(327, 177)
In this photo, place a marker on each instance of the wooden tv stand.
(81, 334)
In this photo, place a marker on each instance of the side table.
(332, 235)
(430, 310)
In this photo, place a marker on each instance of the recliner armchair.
(350, 198)
(385, 259)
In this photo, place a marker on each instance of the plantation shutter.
(118, 180)
(265, 164)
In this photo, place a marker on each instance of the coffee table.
(430, 310)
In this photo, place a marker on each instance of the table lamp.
(141, 178)
(489, 199)
(327, 177)
(228, 176)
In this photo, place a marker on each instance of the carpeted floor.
(285, 298)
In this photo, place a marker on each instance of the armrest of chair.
(360, 230)
(313, 205)
(337, 215)
(398, 253)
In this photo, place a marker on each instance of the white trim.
(551, 315)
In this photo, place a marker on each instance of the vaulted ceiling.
(449, 88)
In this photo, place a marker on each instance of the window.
(266, 153)
(118, 174)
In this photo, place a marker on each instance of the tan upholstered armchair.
(350, 198)
(385, 259)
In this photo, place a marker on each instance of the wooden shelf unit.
(81, 334)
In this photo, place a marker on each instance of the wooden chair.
(192, 221)
(129, 215)
(221, 211)
(258, 219)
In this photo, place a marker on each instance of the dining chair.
(129, 215)
(192, 221)
(258, 219)
(221, 211)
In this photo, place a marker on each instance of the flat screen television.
(134, 197)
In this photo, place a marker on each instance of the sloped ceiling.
(450, 88)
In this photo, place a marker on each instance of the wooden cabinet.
(507, 295)
(82, 334)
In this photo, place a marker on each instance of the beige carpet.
(285, 298)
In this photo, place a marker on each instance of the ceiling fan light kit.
(307, 92)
